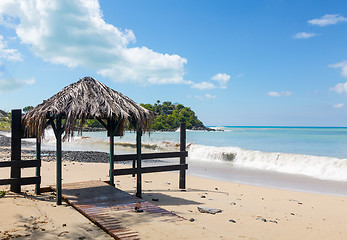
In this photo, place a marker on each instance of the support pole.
(182, 178)
(139, 170)
(134, 166)
(38, 168)
(59, 152)
(111, 131)
(16, 128)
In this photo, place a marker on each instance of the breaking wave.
(326, 168)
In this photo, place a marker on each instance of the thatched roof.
(86, 99)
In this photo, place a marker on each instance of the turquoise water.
(318, 141)
(319, 153)
(300, 158)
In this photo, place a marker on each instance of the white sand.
(295, 215)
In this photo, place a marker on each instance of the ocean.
(312, 159)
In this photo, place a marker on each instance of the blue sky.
(233, 62)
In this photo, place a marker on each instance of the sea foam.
(326, 168)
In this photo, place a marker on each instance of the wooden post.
(111, 124)
(59, 153)
(139, 170)
(38, 168)
(182, 180)
(16, 128)
(134, 166)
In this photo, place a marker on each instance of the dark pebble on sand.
(232, 220)
(191, 220)
(262, 219)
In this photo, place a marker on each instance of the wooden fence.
(138, 157)
(16, 163)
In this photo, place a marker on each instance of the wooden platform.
(111, 208)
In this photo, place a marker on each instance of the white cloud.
(203, 85)
(328, 19)
(279, 94)
(30, 81)
(304, 35)
(339, 105)
(342, 65)
(8, 53)
(222, 79)
(340, 88)
(207, 96)
(9, 84)
(73, 33)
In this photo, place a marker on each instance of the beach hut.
(86, 99)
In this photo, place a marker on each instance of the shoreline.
(213, 171)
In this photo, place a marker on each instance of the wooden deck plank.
(104, 205)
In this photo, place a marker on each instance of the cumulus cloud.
(339, 105)
(74, 33)
(304, 35)
(9, 53)
(9, 84)
(203, 85)
(207, 96)
(342, 66)
(328, 19)
(340, 88)
(222, 79)
(279, 94)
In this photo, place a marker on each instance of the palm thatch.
(86, 99)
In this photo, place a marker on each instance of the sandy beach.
(248, 212)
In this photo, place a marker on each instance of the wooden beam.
(16, 145)
(58, 133)
(102, 123)
(139, 159)
(111, 125)
(167, 168)
(127, 157)
(182, 175)
(20, 164)
(38, 160)
(21, 181)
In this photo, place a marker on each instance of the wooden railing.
(128, 157)
(138, 157)
(16, 163)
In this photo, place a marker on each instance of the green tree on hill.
(169, 116)
(27, 109)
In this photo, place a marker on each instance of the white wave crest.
(326, 168)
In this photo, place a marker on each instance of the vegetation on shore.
(167, 116)
(5, 120)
